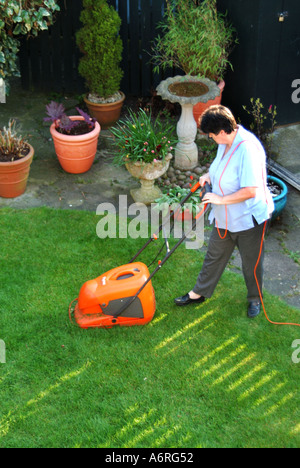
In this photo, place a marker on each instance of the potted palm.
(16, 156)
(144, 147)
(197, 39)
(101, 46)
(75, 138)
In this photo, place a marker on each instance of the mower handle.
(196, 186)
(206, 188)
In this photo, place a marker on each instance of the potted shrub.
(197, 39)
(75, 138)
(16, 156)
(145, 147)
(102, 48)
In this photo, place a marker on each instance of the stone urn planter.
(147, 173)
(187, 91)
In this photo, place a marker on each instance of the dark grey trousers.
(219, 253)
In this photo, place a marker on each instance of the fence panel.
(49, 62)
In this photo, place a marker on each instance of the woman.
(241, 206)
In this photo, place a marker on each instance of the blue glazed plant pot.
(279, 200)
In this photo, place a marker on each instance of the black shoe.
(185, 300)
(254, 309)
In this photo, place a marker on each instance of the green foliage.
(174, 196)
(196, 38)
(25, 17)
(102, 47)
(139, 138)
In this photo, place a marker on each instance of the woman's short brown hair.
(217, 118)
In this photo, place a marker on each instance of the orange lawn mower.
(125, 296)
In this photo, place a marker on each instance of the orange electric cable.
(257, 283)
(261, 246)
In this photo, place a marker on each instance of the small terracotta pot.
(14, 176)
(185, 215)
(106, 114)
(76, 153)
(202, 106)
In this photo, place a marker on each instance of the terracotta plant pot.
(106, 114)
(14, 176)
(185, 215)
(202, 106)
(76, 154)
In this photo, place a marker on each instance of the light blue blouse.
(246, 167)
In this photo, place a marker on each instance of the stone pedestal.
(186, 151)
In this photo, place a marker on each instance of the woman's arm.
(237, 197)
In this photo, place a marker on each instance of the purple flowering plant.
(63, 123)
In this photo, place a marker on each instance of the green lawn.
(194, 377)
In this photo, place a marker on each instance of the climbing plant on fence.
(21, 18)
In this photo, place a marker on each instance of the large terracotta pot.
(202, 106)
(106, 114)
(14, 176)
(76, 154)
(147, 173)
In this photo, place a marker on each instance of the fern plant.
(101, 46)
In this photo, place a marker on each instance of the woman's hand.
(205, 179)
(238, 197)
(213, 198)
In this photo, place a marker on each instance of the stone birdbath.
(187, 91)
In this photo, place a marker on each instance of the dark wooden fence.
(266, 61)
(50, 61)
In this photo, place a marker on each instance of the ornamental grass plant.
(196, 38)
(139, 137)
(13, 146)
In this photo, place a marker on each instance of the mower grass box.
(110, 299)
